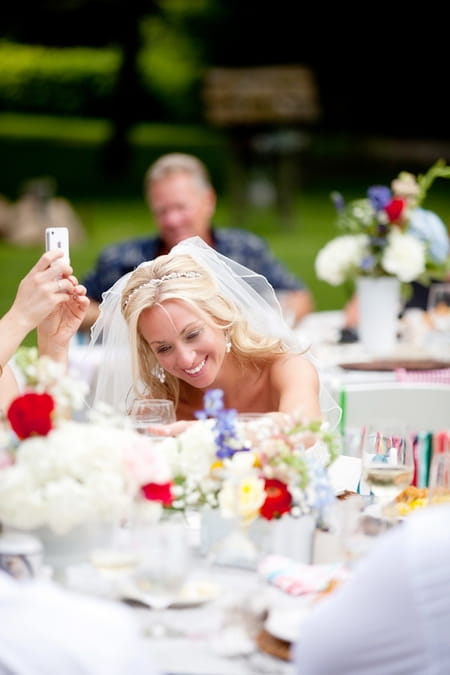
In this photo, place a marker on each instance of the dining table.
(341, 361)
(228, 619)
(234, 620)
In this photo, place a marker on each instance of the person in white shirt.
(48, 630)
(393, 616)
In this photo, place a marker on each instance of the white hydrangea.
(340, 258)
(404, 256)
(192, 453)
(78, 473)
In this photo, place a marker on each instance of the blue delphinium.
(212, 404)
(225, 432)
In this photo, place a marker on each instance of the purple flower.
(368, 263)
(212, 404)
(379, 196)
(338, 201)
(225, 433)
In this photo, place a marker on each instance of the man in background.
(181, 197)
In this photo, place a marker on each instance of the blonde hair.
(180, 277)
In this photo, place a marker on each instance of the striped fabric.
(440, 375)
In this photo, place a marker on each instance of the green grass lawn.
(113, 210)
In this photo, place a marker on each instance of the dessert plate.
(196, 592)
(193, 594)
(285, 624)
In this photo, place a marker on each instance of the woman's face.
(183, 341)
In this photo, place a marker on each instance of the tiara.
(157, 282)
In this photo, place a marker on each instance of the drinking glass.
(357, 531)
(163, 557)
(387, 462)
(439, 482)
(439, 307)
(255, 427)
(151, 412)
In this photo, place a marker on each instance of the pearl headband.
(157, 282)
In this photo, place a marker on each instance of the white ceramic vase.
(228, 544)
(378, 310)
(74, 547)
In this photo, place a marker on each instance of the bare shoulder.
(294, 365)
(296, 380)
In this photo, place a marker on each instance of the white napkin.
(345, 474)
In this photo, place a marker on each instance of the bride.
(194, 320)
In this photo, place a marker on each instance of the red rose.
(31, 414)
(156, 492)
(278, 499)
(395, 210)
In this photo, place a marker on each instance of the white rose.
(243, 499)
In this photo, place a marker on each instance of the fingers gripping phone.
(58, 237)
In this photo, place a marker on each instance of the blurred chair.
(424, 406)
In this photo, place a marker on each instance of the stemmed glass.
(151, 412)
(439, 316)
(439, 482)
(439, 307)
(387, 461)
(163, 563)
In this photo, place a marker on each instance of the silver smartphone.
(58, 237)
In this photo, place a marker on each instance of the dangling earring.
(227, 342)
(159, 372)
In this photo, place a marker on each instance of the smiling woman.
(194, 320)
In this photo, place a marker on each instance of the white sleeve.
(368, 627)
(46, 629)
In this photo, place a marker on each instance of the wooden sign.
(261, 95)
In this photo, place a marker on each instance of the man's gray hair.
(178, 162)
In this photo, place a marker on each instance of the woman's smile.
(184, 342)
(196, 370)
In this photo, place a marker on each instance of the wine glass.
(151, 412)
(439, 482)
(163, 558)
(439, 316)
(439, 307)
(255, 427)
(387, 461)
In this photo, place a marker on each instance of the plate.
(193, 594)
(196, 593)
(396, 364)
(285, 624)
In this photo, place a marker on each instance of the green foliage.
(82, 80)
(425, 181)
(76, 80)
(170, 68)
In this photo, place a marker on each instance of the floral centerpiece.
(59, 473)
(250, 470)
(388, 233)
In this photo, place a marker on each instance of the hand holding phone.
(58, 237)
